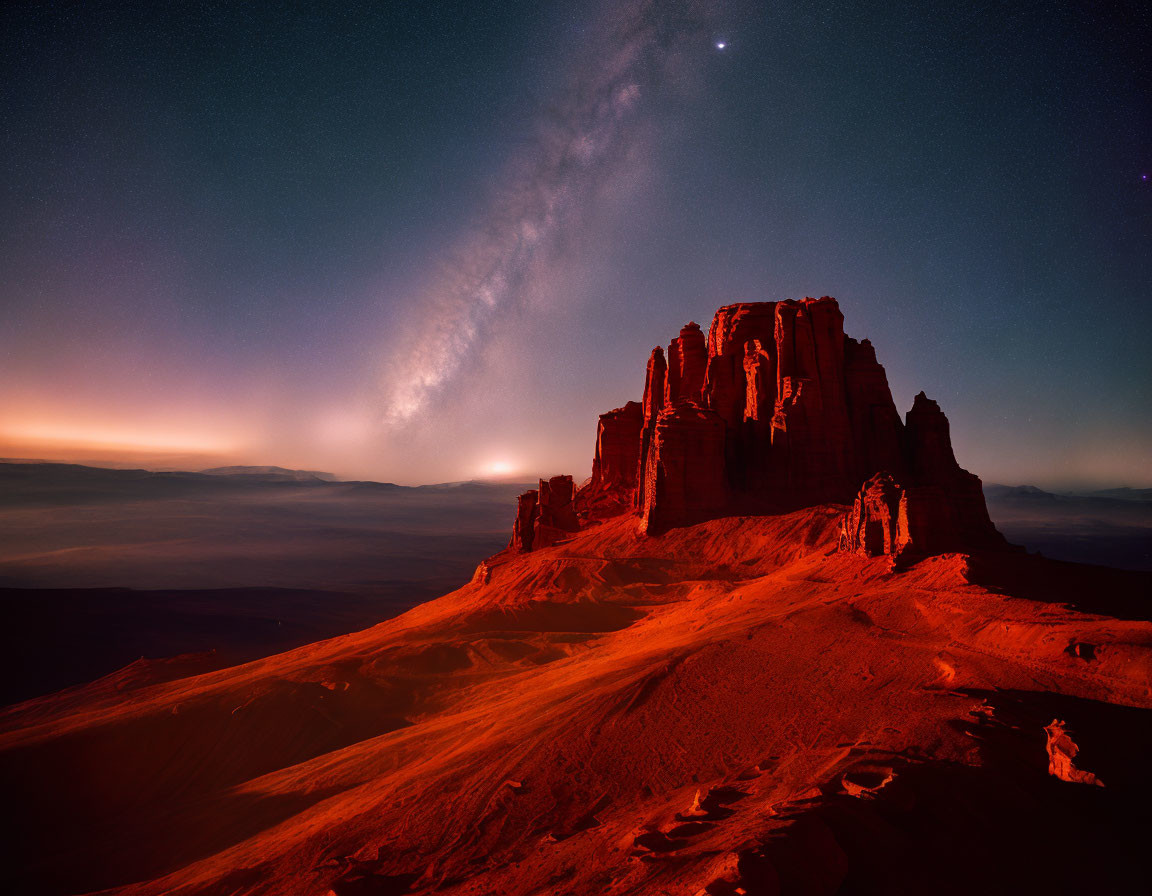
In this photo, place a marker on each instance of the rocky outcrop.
(798, 399)
(653, 403)
(556, 514)
(778, 409)
(876, 525)
(616, 464)
(946, 507)
(877, 430)
(1062, 752)
(811, 458)
(684, 481)
(687, 364)
(544, 515)
(939, 508)
(526, 511)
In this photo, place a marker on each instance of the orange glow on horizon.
(70, 437)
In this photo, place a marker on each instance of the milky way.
(589, 137)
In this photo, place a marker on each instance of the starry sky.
(432, 241)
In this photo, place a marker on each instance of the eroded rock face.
(877, 430)
(544, 515)
(936, 506)
(618, 447)
(616, 464)
(876, 525)
(526, 510)
(653, 403)
(556, 514)
(1062, 752)
(907, 522)
(687, 364)
(797, 398)
(946, 507)
(812, 458)
(684, 481)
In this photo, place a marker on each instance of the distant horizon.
(520, 477)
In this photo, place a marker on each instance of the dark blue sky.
(421, 241)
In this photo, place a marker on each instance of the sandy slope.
(729, 706)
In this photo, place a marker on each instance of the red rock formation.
(684, 481)
(556, 515)
(777, 375)
(526, 510)
(778, 409)
(654, 379)
(733, 328)
(946, 508)
(618, 448)
(726, 387)
(812, 457)
(544, 515)
(615, 467)
(940, 509)
(877, 431)
(760, 386)
(1062, 751)
(687, 365)
(876, 524)
(653, 403)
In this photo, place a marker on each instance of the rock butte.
(776, 410)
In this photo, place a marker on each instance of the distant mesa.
(774, 410)
(998, 492)
(278, 473)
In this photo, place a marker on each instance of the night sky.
(432, 241)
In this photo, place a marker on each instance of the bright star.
(721, 45)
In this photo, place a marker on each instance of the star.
(720, 45)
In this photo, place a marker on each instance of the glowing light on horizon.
(79, 436)
(500, 468)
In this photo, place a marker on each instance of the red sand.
(731, 707)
